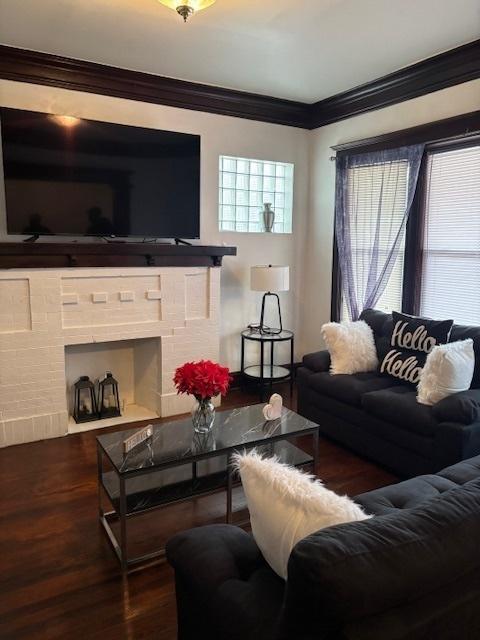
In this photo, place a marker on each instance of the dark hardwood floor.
(59, 578)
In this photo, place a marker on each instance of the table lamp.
(269, 278)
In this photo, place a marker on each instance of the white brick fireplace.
(141, 323)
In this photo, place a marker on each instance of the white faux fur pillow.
(448, 369)
(351, 346)
(287, 505)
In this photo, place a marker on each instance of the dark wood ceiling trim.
(466, 125)
(439, 72)
(46, 69)
(444, 70)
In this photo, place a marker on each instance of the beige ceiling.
(300, 49)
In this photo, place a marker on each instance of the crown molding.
(461, 128)
(34, 67)
(444, 70)
(439, 72)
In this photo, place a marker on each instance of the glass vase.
(268, 217)
(203, 415)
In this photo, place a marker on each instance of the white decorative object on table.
(273, 409)
(137, 438)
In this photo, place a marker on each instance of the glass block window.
(245, 185)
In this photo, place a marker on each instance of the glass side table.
(266, 373)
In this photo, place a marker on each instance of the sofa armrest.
(224, 588)
(463, 407)
(205, 557)
(454, 442)
(318, 361)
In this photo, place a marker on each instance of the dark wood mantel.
(56, 255)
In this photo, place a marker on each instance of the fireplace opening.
(136, 366)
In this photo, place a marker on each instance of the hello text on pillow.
(418, 334)
(412, 340)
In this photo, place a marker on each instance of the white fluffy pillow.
(448, 369)
(287, 505)
(351, 346)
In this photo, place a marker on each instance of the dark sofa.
(409, 573)
(378, 417)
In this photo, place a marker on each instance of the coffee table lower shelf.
(149, 491)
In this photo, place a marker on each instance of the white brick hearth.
(168, 315)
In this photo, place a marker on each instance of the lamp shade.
(269, 278)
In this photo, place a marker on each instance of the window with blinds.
(377, 192)
(450, 285)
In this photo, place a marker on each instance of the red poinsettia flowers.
(204, 379)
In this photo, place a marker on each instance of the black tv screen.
(69, 176)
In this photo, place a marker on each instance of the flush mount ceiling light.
(66, 121)
(187, 8)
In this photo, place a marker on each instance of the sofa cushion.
(399, 405)
(404, 495)
(318, 361)
(462, 472)
(463, 407)
(348, 388)
(405, 452)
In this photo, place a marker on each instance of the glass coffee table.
(175, 464)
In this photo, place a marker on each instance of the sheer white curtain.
(374, 194)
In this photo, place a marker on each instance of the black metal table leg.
(230, 473)
(292, 366)
(242, 365)
(316, 453)
(123, 525)
(271, 366)
(262, 362)
(99, 480)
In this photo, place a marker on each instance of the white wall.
(308, 250)
(219, 135)
(318, 250)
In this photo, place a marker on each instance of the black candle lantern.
(108, 399)
(85, 404)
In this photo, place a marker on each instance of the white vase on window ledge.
(268, 217)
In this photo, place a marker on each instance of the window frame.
(450, 134)
(418, 242)
(287, 209)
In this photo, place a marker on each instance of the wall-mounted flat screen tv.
(76, 177)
